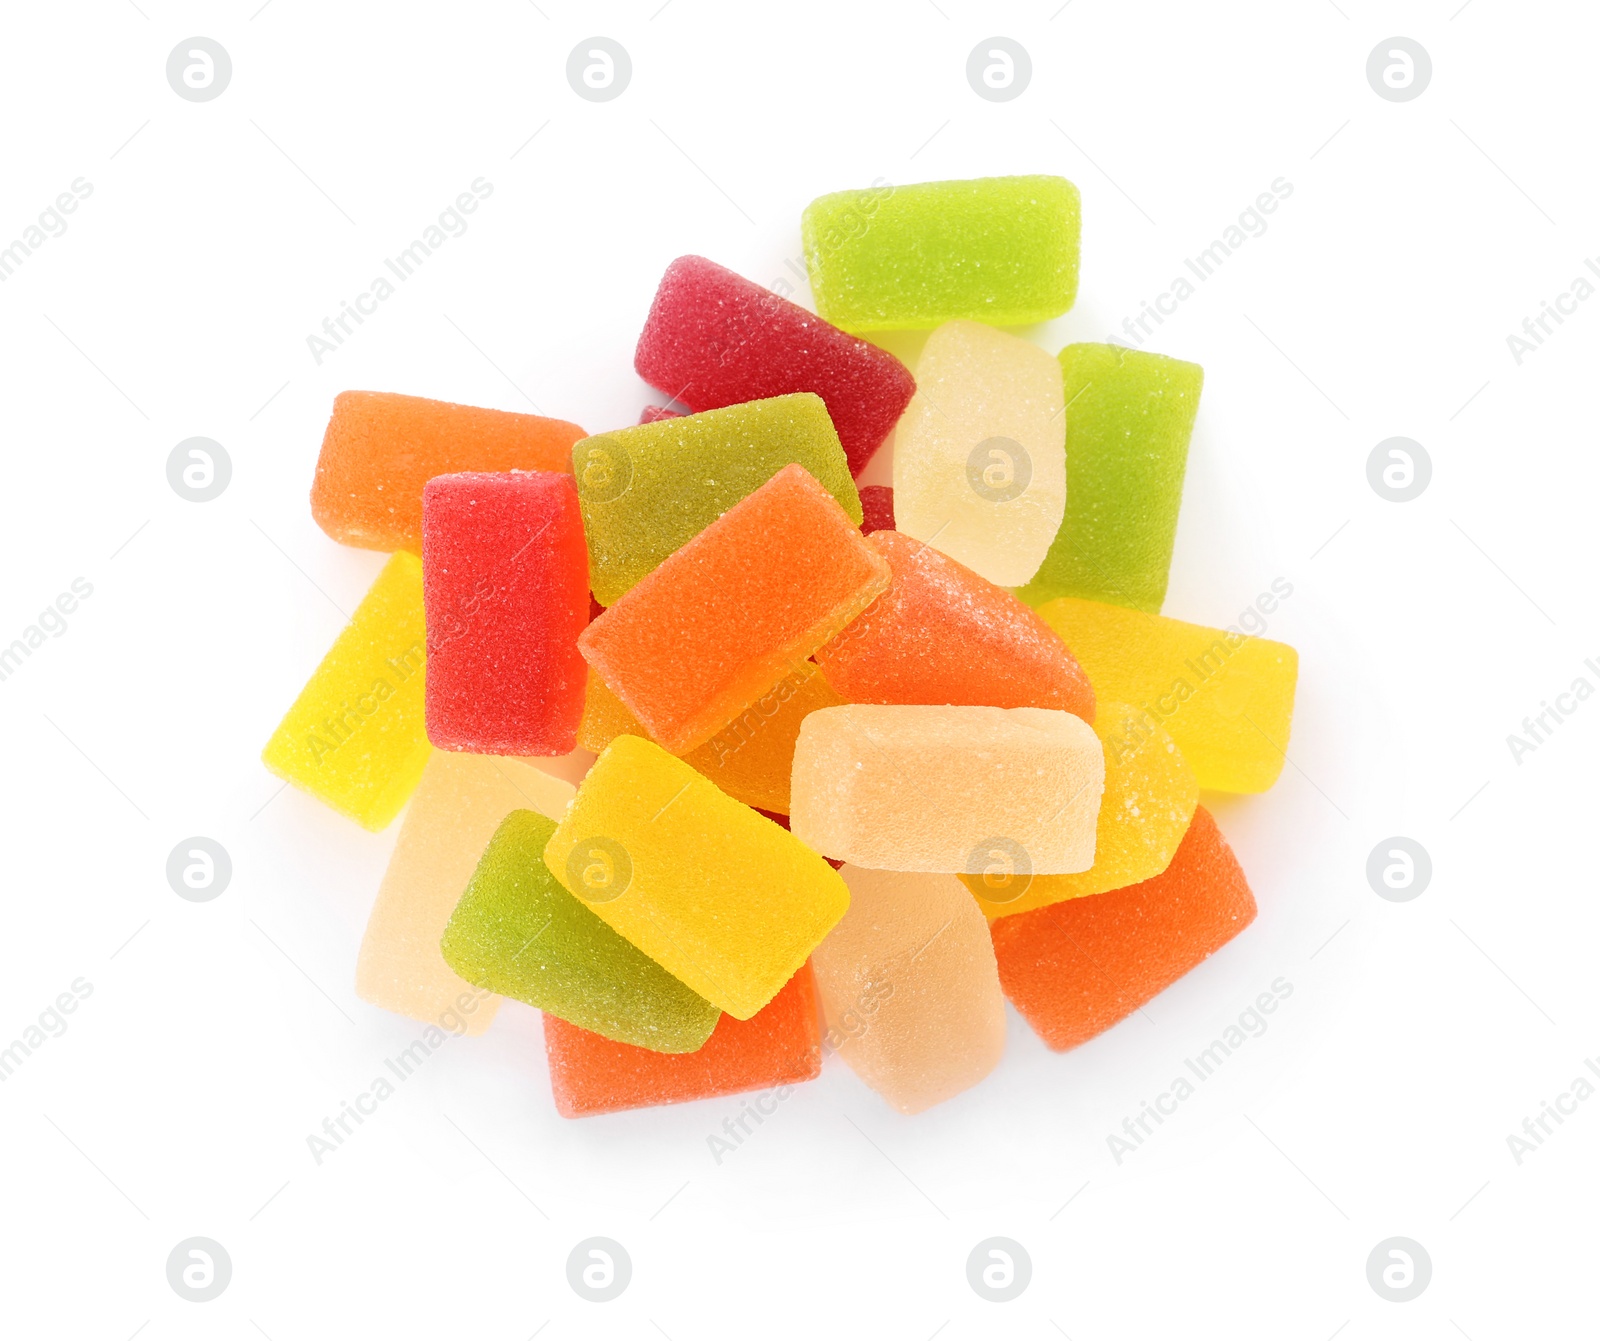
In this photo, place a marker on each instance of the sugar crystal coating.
(518, 932)
(723, 899)
(909, 987)
(648, 490)
(714, 338)
(980, 466)
(355, 738)
(1077, 967)
(380, 449)
(998, 249)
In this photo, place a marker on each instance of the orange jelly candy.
(943, 635)
(780, 1044)
(381, 448)
(743, 604)
(1073, 969)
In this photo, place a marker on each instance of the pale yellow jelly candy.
(453, 814)
(909, 988)
(1225, 698)
(1149, 800)
(911, 788)
(980, 465)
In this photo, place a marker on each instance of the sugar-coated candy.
(651, 413)
(381, 448)
(356, 738)
(1148, 802)
(518, 932)
(1129, 417)
(1225, 698)
(648, 490)
(909, 988)
(723, 899)
(998, 249)
(980, 466)
(726, 617)
(505, 582)
(922, 788)
(877, 508)
(779, 1045)
(453, 813)
(750, 757)
(1075, 968)
(941, 634)
(714, 338)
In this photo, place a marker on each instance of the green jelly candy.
(1129, 417)
(998, 249)
(647, 491)
(518, 932)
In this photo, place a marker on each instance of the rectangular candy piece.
(877, 508)
(1225, 698)
(998, 249)
(779, 1045)
(381, 448)
(750, 757)
(355, 737)
(922, 788)
(1145, 811)
(909, 988)
(649, 490)
(721, 621)
(941, 634)
(721, 898)
(517, 932)
(714, 338)
(1129, 417)
(505, 577)
(453, 814)
(1075, 968)
(980, 466)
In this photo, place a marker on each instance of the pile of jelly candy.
(871, 761)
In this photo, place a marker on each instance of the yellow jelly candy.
(355, 738)
(749, 758)
(1224, 697)
(722, 898)
(1149, 800)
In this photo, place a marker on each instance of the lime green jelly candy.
(648, 490)
(998, 249)
(1129, 416)
(517, 932)
(356, 738)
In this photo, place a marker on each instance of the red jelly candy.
(505, 588)
(651, 413)
(877, 508)
(714, 338)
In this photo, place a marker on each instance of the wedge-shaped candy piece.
(980, 466)
(997, 249)
(909, 988)
(723, 899)
(650, 489)
(1075, 968)
(517, 932)
(454, 812)
(1129, 417)
(750, 757)
(941, 634)
(714, 338)
(877, 508)
(778, 1046)
(505, 581)
(355, 738)
(1224, 697)
(1149, 800)
(901, 788)
(744, 603)
(381, 448)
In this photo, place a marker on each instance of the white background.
(217, 238)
